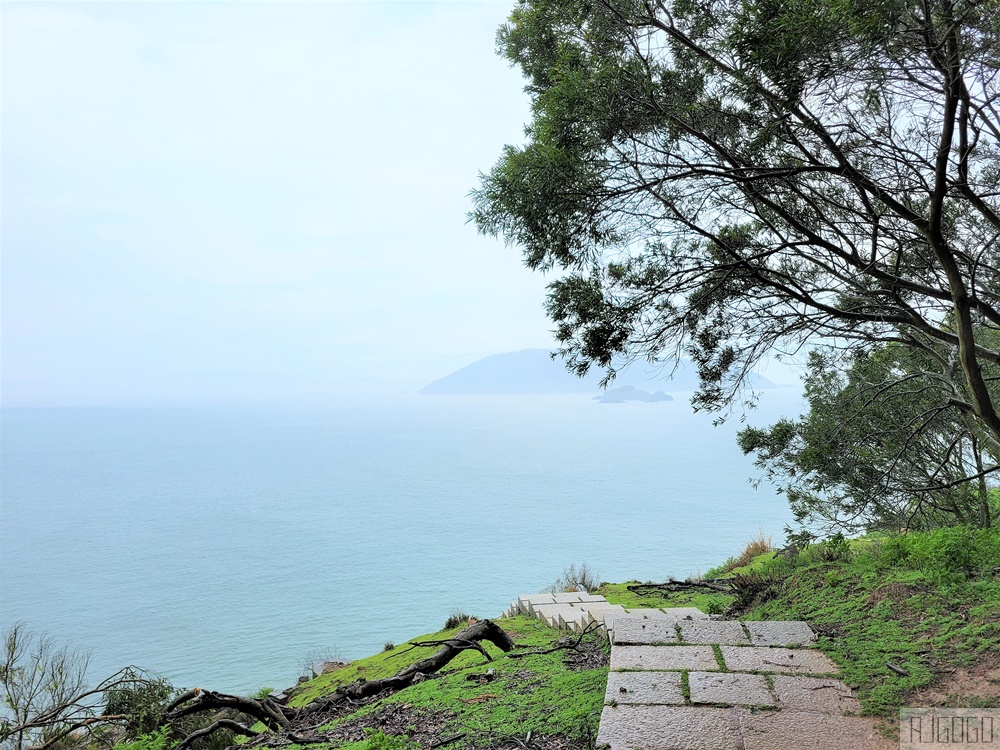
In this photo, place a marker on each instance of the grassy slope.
(876, 602)
(927, 605)
(538, 694)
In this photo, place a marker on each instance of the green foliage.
(723, 180)
(877, 448)
(263, 693)
(158, 739)
(948, 555)
(381, 741)
(143, 704)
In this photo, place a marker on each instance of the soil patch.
(963, 686)
(588, 655)
(425, 727)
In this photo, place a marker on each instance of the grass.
(927, 603)
(537, 693)
(619, 593)
(877, 606)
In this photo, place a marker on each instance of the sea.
(232, 547)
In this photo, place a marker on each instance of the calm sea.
(223, 547)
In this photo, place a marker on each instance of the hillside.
(911, 621)
(533, 371)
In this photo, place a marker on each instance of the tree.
(876, 449)
(47, 701)
(733, 180)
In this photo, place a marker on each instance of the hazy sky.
(252, 201)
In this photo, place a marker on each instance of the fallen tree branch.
(266, 710)
(483, 630)
(673, 586)
(298, 725)
(448, 741)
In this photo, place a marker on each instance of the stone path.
(682, 681)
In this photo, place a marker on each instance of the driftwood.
(291, 721)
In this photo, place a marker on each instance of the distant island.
(533, 371)
(631, 393)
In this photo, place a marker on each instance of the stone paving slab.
(727, 632)
(550, 613)
(780, 633)
(730, 687)
(576, 620)
(789, 660)
(603, 612)
(649, 613)
(685, 613)
(817, 694)
(626, 630)
(565, 597)
(662, 688)
(804, 730)
(526, 602)
(669, 728)
(701, 658)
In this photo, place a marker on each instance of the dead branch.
(469, 637)
(230, 724)
(266, 710)
(561, 646)
(297, 725)
(672, 586)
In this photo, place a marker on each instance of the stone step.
(668, 688)
(659, 727)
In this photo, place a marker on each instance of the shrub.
(317, 656)
(756, 587)
(143, 703)
(946, 555)
(577, 579)
(833, 549)
(455, 619)
(158, 739)
(756, 546)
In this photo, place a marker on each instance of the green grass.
(618, 593)
(927, 603)
(536, 693)
(880, 607)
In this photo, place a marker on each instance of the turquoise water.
(221, 547)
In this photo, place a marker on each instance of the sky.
(253, 202)
(239, 202)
